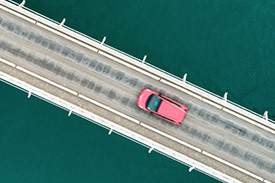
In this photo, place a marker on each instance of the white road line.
(233, 166)
(182, 158)
(7, 62)
(170, 137)
(128, 65)
(212, 103)
(46, 80)
(181, 89)
(108, 108)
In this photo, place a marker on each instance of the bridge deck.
(209, 129)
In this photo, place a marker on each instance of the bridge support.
(150, 150)
(191, 168)
(103, 40)
(29, 94)
(22, 4)
(184, 78)
(225, 96)
(62, 23)
(110, 131)
(70, 112)
(266, 115)
(144, 58)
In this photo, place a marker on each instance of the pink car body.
(161, 106)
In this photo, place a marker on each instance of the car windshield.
(153, 103)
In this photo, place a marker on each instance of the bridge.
(88, 78)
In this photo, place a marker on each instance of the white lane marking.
(248, 120)
(46, 80)
(181, 89)
(7, 62)
(233, 166)
(212, 103)
(128, 65)
(170, 137)
(108, 108)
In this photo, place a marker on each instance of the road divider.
(7, 62)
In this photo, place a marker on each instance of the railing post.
(184, 78)
(62, 23)
(144, 58)
(225, 97)
(150, 150)
(191, 168)
(22, 4)
(266, 115)
(103, 40)
(70, 112)
(110, 131)
(29, 94)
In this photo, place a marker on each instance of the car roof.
(171, 111)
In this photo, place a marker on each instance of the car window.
(170, 101)
(153, 103)
(164, 117)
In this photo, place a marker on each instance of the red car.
(161, 106)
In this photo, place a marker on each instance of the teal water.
(222, 45)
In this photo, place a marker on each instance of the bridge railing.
(140, 61)
(53, 21)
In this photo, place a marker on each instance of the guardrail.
(215, 98)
